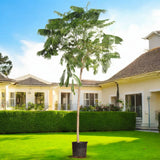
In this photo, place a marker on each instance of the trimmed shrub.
(159, 121)
(59, 121)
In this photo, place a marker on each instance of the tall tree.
(79, 35)
(5, 65)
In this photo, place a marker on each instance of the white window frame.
(12, 98)
(88, 99)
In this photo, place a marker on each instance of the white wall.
(30, 93)
(145, 87)
(154, 41)
(75, 97)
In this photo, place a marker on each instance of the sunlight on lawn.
(124, 145)
(106, 139)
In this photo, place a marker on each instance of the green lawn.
(128, 145)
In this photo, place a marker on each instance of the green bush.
(20, 107)
(159, 121)
(101, 108)
(57, 121)
(31, 106)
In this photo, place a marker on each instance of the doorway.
(134, 103)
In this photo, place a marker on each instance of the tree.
(79, 35)
(5, 65)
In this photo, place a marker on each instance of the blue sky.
(20, 20)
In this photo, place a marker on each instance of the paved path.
(147, 130)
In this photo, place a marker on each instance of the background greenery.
(57, 121)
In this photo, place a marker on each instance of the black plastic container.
(79, 150)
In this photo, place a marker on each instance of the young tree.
(79, 35)
(5, 65)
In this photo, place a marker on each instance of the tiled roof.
(4, 78)
(147, 62)
(84, 83)
(31, 81)
(90, 82)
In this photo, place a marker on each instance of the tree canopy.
(79, 35)
(5, 65)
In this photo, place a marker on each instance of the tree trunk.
(78, 105)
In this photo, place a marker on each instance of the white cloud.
(30, 63)
(132, 27)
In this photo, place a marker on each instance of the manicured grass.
(120, 145)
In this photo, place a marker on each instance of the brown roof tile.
(90, 82)
(147, 62)
(4, 78)
(31, 81)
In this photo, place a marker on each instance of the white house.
(138, 85)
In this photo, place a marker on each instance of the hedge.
(159, 121)
(59, 121)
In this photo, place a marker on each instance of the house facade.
(31, 89)
(23, 90)
(138, 87)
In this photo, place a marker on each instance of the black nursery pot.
(79, 150)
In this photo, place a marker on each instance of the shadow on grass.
(15, 138)
(114, 151)
(122, 150)
(141, 146)
(133, 134)
(55, 154)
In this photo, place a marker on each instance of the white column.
(7, 97)
(46, 98)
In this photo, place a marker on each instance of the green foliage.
(39, 107)
(56, 105)
(88, 108)
(31, 106)
(56, 121)
(5, 65)
(159, 121)
(20, 107)
(78, 34)
(107, 121)
(101, 108)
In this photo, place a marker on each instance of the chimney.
(154, 39)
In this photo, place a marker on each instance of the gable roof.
(4, 78)
(147, 62)
(152, 33)
(31, 81)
